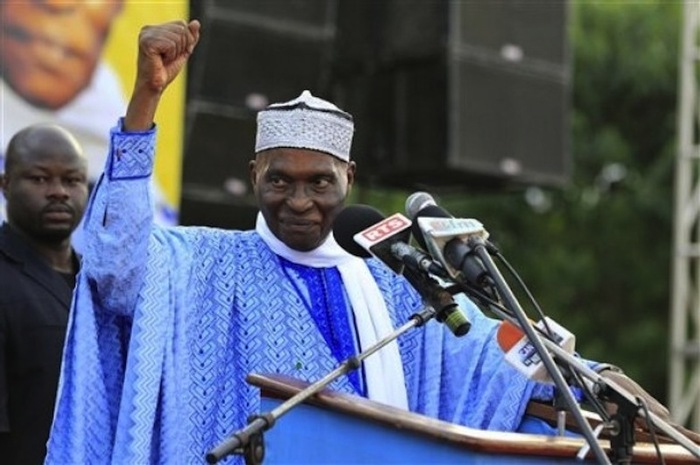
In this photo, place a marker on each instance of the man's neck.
(58, 253)
(57, 256)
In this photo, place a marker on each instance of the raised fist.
(163, 51)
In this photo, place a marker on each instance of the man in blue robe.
(168, 322)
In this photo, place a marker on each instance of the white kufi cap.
(307, 122)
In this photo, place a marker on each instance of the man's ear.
(252, 167)
(351, 170)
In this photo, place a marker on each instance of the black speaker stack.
(445, 93)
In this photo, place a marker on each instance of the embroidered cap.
(307, 122)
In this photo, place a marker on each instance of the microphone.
(349, 221)
(521, 354)
(447, 238)
(418, 260)
(363, 231)
(422, 204)
(369, 241)
(476, 256)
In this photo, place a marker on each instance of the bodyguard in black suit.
(46, 191)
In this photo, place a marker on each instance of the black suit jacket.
(34, 305)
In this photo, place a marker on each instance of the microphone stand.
(248, 441)
(628, 407)
(608, 387)
(477, 245)
(603, 387)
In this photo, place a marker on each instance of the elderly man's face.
(300, 192)
(49, 49)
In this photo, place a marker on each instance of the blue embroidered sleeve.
(131, 154)
(118, 222)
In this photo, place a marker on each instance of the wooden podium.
(334, 428)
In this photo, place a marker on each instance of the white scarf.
(383, 369)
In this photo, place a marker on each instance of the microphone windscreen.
(430, 211)
(350, 221)
(416, 202)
